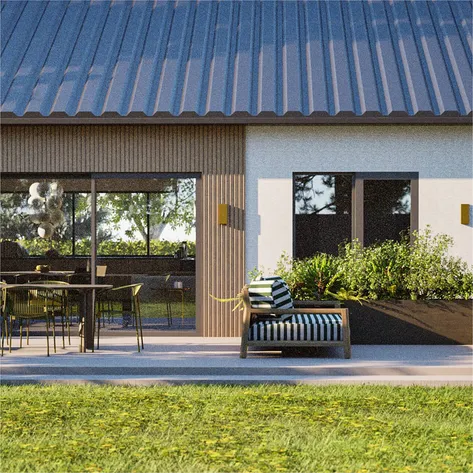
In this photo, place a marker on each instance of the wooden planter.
(400, 322)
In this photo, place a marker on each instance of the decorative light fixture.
(46, 202)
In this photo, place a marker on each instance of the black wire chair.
(122, 301)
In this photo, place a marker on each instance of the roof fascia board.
(415, 120)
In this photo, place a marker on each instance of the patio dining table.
(43, 274)
(86, 306)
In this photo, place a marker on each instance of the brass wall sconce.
(465, 214)
(223, 214)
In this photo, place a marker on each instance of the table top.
(19, 273)
(57, 286)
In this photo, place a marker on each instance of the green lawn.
(235, 429)
(158, 309)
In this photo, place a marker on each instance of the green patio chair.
(60, 306)
(4, 308)
(32, 304)
(122, 301)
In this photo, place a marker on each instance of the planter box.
(399, 322)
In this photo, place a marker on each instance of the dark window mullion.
(414, 207)
(73, 224)
(358, 209)
(148, 223)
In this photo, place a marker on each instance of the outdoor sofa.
(270, 320)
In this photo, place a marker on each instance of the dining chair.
(4, 306)
(32, 304)
(121, 300)
(63, 309)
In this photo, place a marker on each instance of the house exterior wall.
(216, 152)
(442, 155)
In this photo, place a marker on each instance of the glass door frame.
(94, 177)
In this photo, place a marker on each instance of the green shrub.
(310, 276)
(376, 272)
(434, 274)
(39, 246)
(387, 270)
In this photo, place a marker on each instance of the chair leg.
(243, 348)
(135, 320)
(47, 335)
(169, 312)
(140, 322)
(347, 351)
(3, 327)
(21, 332)
(134, 315)
(68, 325)
(11, 331)
(54, 333)
(62, 330)
(98, 330)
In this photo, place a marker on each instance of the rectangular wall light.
(465, 214)
(223, 214)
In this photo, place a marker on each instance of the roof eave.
(8, 118)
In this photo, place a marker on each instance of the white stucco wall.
(442, 155)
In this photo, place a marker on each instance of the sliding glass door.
(146, 237)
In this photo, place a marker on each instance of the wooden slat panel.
(217, 152)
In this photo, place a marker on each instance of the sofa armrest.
(317, 304)
(311, 310)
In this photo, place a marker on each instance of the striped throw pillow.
(270, 293)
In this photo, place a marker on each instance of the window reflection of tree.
(323, 194)
(386, 197)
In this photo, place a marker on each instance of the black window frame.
(92, 178)
(357, 201)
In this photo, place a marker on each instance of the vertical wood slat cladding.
(217, 152)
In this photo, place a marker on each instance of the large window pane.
(146, 236)
(37, 216)
(387, 209)
(122, 227)
(322, 212)
(172, 219)
(82, 223)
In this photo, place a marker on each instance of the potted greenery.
(397, 292)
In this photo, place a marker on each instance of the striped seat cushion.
(299, 327)
(270, 293)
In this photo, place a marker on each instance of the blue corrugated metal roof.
(236, 58)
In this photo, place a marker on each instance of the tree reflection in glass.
(322, 212)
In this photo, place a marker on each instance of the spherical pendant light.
(34, 189)
(45, 230)
(56, 217)
(54, 202)
(43, 189)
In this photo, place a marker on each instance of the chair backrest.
(50, 281)
(122, 293)
(29, 303)
(101, 271)
(270, 293)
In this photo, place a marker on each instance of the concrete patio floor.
(181, 360)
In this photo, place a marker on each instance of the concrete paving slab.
(184, 360)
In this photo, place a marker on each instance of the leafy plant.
(387, 270)
(377, 271)
(119, 247)
(433, 272)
